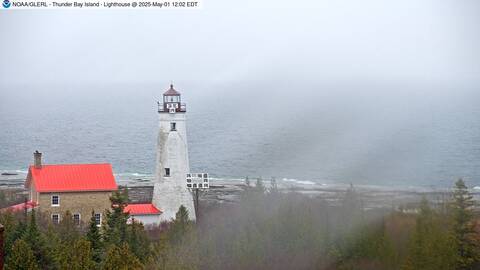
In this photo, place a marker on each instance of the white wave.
(301, 182)
(228, 179)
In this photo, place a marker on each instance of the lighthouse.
(170, 191)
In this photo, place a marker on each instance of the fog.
(229, 42)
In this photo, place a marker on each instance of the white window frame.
(51, 200)
(79, 218)
(100, 223)
(58, 222)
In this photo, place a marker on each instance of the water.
(385, 135)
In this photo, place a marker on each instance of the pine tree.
(82, 256)
(13, 232)
(22, 257)
(180, 226)
(95, 238)
(121, 259)
(115, 227)
(430, 247)
(36, 241)
(32, 234)
(138, 241)
(463, 226)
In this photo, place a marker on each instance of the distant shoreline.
(228, 190)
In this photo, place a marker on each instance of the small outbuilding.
(146, 213)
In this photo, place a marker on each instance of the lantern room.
(171, 102)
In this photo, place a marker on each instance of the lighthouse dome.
(171, 92)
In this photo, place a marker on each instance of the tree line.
(266, 229)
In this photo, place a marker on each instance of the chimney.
(37, 160)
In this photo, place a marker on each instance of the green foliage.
(120, 258)
(76, 256)
(431, 244)
(36, 240)
(180, 226)
(82, 257)
(22, 257)
(115, 227)
(466, 241)
(138, 241)
(273, 230)
(95, 238)
(13, 230)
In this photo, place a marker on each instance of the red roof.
(142, 209)
(72, 177)
(21, 206)
(171, 92)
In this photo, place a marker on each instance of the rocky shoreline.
(228, 192)
(224, 191)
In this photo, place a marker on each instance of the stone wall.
(76, 202)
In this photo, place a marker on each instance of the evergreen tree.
(22, 257)
(180, 226)
(82, 256)
(32, 234)
(95, 238)
(463, 226)
(36, 241)
(138, 241)
(13, 232)
(115, 227)
(120, 258)
(67, 229)
(430, 247)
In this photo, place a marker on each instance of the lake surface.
(373, 134)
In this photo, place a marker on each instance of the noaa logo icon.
(6, 3)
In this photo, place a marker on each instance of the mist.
(366, 92)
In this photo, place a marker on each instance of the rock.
(7, 173)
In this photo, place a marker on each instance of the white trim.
(100, 223)
(51, 200)
(59, 217)
(79, 218)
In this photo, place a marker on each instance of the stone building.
(80, 189)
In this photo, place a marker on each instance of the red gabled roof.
(21, 206)
(142, 209)
(171, 92)
(72, 177)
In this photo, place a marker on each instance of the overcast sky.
(310, 41)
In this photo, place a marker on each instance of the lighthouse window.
(167, 171)
(173, 126)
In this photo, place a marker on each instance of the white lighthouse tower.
(170, 191)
